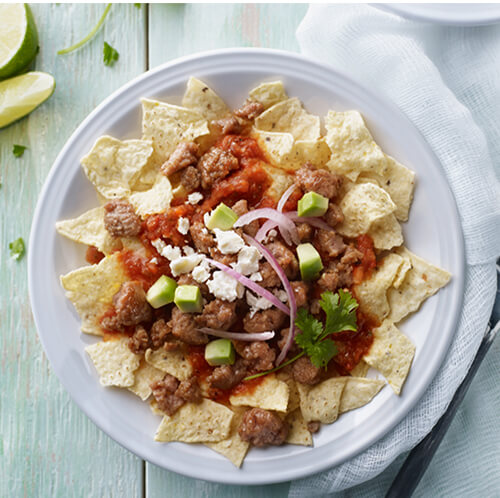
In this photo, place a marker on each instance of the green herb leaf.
(110, 55)
(340, 311)
(311, 328)
(18, 150)
(137, 5)
(321, 352)
(17, 249)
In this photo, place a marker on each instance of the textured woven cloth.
(447, 82)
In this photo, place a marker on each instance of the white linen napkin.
(447, 81)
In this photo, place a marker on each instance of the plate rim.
(239, 478)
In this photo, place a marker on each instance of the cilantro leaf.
(340, 310)
(17, 249)
(321, 352)
(110, 55)
(18, 150)
(310, 327)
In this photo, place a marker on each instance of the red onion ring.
(289, 291)
(238, 336)
(315, 222)
(250, 284)
(286, 194)
(266, 227)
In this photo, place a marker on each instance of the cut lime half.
(18, 38)
(20, 95)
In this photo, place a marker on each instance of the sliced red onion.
(289, 291)
(262, 233)
(253, 286)
(286, 195)
(238, 336)
(286, 226)
(315, 222)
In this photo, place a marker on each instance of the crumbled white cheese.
(256, 277)
(202, 272)
(228, 241)
(185, 264)
(158, 244)
(154, 260)
(225, 287)
(183, 225)
(281, 295)
(188, 250)
(171, 252)
(271, 235)
(248, 260)
(206, 217)
(195, 197)
(257, 303)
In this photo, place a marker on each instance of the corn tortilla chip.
(145, 375)
(168, 125)
(391, 354)
(88, 228)
(113, 166)
(196, 423)
(358, 392)
(233, 448)
(201, 98)
(280, 181)
(372, 293)
(386, 233)
(269, 94)
(362, 205)
(353, 149)
(401, 274)
(289, 116)
(421, 281)
(320, 403)
(361, 369)
(297, 429)
(114, 362)
(155, 200)
(293, 393)
(91, 290)
(172, 362)
(277, 146)
(270, 394)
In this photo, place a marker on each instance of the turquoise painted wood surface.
(48, 448)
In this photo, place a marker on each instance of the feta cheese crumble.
(185, 264)
(248, 260)
(206, 217)
(158, 244)
(171, 252)
(202, 272)
(183, 225)
(228, 241)
(225, 287)
(257, 303)
(195, 197)
(256, 277)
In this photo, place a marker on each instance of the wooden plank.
(181, 29)
(48, 448)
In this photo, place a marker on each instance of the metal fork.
(418, 460)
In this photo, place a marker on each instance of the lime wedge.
(20, 95)
(18, 38)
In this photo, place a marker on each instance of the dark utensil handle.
(418, 460)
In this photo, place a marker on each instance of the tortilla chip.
(202, 99)
(399, 182)
(155, 200)
(363, 204)
(372, 293)
(91, 290)
(358, 392)
(196, 423)
(316, 152)
(280, 181)
(113, 166)
(386, 233)
(114, 362)
(168, 125)
(270, 394)
(233, 448)
(353, 149)
(171, 362)
(277, 146)
(297, 429)
(145, 375)
(289, 116)
(391, 354)
(89, 229)
(401, 274)
(421, 281)
(269, 94)
(293, 393)
(320, 403)
(361, 369)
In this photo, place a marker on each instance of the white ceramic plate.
(433, 232)
(453, 14)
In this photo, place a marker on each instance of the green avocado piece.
(222, 217)
(188, 298)
(312, 204)
(309, 261)
(161, 292)
(219, 352)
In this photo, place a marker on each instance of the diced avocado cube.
(188, 298)
(219, 352)
(309, 261)
(222, 217)
(312, 204)
(162, 292)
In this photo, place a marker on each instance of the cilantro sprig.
(17, 249)
(109, 54)
(18, 150)
(340, 312)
